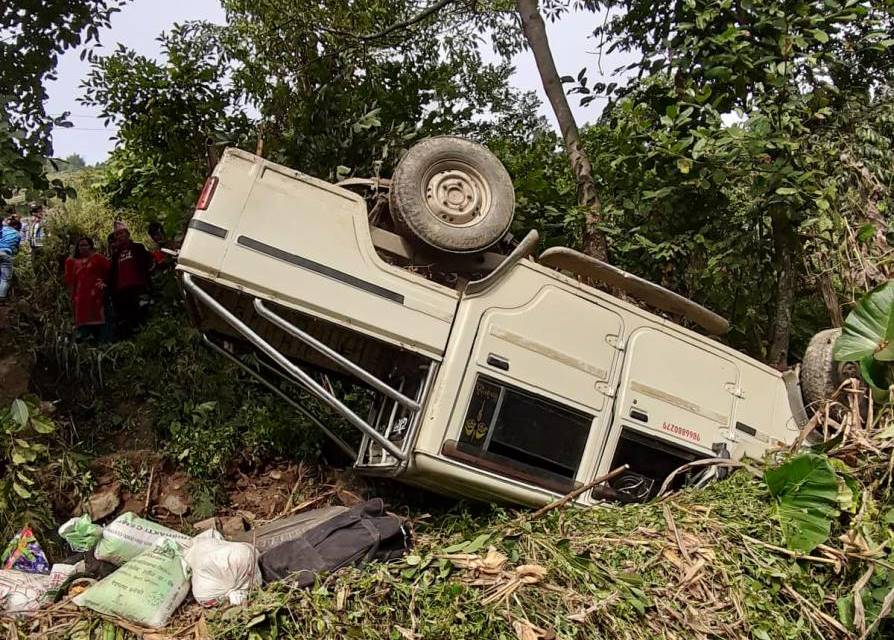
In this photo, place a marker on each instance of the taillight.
(207, 193)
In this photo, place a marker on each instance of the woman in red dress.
(85, 277)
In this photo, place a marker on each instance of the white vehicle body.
(519, 387)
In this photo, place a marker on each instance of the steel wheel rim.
(456, 193)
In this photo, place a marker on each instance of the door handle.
(498, 362)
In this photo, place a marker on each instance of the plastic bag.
(23, 553)
(221, 570)
(129, 535)
(145, 590)
(22, 594)
(80, 533)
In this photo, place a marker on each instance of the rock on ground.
(101, 504)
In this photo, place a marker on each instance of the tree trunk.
(830, 299)
(784, 245)
(535, 34)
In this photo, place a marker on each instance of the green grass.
(614, 572)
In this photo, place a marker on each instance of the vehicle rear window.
(524, 430)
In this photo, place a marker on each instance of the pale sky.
(141, 21)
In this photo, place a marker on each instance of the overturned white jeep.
(496, 375)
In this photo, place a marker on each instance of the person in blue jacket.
(10, 239)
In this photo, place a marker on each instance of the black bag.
(358, 535)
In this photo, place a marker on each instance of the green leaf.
(866, 233)
(20, 412)
(477, 543)
(847, 494)
(719, 73)
(807, 493)
(459, 547)
(827, 445)
(877, 375)
(845, 606)
(444, 568)
(786, 191)
(867, 328)
(21, 490)
(637, 604)
(42, 425)
(258, 619)
(820, 35)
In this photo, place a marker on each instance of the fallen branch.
(672, 526)
(149, 488)
(718, 462)
(792, 554)
(571, 496)
(822, 615)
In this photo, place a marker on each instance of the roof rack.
(652, 294)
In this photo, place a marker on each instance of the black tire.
(453, 195)
(820, 374)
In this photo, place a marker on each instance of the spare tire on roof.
(452, 194)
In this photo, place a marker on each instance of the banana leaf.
(869, 328)
(878, 376)
(807, 494)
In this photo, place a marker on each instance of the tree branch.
(419, 17)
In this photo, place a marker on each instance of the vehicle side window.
(539, 438)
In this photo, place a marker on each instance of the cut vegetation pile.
(805, 554)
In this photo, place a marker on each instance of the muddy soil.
(15, 365)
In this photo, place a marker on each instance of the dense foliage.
(161, 391)
(297, 84)
(32, 37)
(741, 165)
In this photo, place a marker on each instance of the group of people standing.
(108, 293)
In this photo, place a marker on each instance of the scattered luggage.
(360, 534)
(275, 533)
(129, 535)
(23, 553)
(145, 570)
(222, 571)
(80, 533)
(23, 594)
(146, 589)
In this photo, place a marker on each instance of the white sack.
(221, 570)
(21, 594)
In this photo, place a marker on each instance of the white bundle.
(221, 570)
